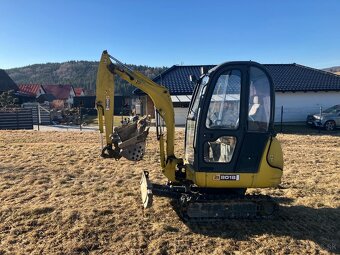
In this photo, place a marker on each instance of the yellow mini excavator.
(230, 142)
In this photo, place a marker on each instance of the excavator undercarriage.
(195, 204)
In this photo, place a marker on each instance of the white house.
(299, 90)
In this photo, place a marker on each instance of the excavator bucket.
(128, 141)
(133, 139)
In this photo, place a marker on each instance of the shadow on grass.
(299, 222)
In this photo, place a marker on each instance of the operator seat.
(257, 115)
(254, 106)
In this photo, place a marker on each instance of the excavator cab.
(229, 126)
(232, 106)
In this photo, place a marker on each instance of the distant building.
(34, 90)
(299, 89)
(6, 83)
(122, 104)
(43, 98)
(79, 92)
(64, 94)
(84, 101)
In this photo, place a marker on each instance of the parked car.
(329, 118)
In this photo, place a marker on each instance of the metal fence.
(286, 114)
(294, 120)
(41, 113)
(16, 118)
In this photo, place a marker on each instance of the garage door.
(180, 116)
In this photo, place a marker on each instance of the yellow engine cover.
(268, 175)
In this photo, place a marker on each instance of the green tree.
(8, 99)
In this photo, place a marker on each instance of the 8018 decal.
(227, 177)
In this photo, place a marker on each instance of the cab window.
(191, 120)
(259, 101)
(221, 150)
(224, 108)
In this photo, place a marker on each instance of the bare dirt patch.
(59, 197)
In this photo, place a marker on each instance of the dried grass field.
(59, 197)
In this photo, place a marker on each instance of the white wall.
(40, 92)
(180, 115)
(296, 106)
(71, 96)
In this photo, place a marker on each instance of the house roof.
(6, 83)
(30, 89)
(78, 91)
(61, 92)
(176, 78)
(286, 77)
(295, 77)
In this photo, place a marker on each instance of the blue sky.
(164, 33)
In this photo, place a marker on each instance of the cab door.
(259, 122)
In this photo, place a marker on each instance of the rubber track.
(217, 200)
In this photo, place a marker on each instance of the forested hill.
(76, 73)
(334, 69)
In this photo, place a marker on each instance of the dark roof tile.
(286, 77)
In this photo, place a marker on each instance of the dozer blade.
(146, 190)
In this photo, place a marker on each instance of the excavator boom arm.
(158, 94)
